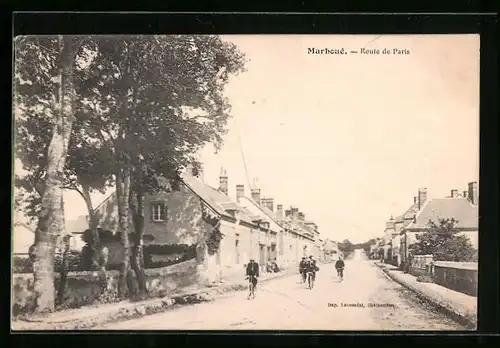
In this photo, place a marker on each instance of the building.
(388, 234)
(401, 222)
(331, 250)
(266, 244)
(249, 225)
(187, 216)
(23, 237)
(300, 235)
(463, 207)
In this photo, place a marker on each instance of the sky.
(348, 139)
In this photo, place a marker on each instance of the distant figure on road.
(339, 266)
(302, 269)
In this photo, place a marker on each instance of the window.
(158, 211)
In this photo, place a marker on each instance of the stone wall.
(420, 265)
(458, 276)
(83, 288)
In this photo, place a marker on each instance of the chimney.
(414, 199)
(279, 210)
(454, 193)
(466, 194)
(269, 203)
(294, 212)
(473, 193)
(240, 192)
(256, 195)
(422, 197)
(223, 182)
(301, 216)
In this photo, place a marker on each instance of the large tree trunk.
(51, 211)
(65, 246)
(63, 281)
(95, 246)
(125, 285)
(138, 251)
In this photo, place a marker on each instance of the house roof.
(458, 208)
(258, 212)
(216, 199)
(210, 195)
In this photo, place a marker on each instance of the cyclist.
(302, 269)
(252, 273)
(312, 268)
(339, 266)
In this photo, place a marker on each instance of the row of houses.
(400, 232)
(252, 225)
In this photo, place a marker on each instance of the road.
(285, 304)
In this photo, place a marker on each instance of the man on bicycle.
(252, 272)
(312, 267)
(339, 266)
(302, 269)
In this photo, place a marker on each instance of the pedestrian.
(302, 269)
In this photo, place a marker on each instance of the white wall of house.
(22, 239)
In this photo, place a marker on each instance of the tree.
(36, 106)
(443, 242)
(51, 217)
(153, 101)
(346, 247)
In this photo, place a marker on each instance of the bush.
(184, 252)
(425, 279)
(444, 243)
(24, 264)
(73, 261)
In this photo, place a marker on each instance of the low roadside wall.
(84, 288)
(458, 276)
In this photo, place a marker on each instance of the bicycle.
(252, 281)
(310, 280)
(303, 277)
(340, 273)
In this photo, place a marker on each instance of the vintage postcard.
(246, 182)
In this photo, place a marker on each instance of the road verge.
(91, 317)
(460, 307)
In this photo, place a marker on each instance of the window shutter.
(152, 212)
(164, 211)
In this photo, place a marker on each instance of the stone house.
(282, 238)
(463, 207)
(400, 222)
(301, 235)
(179, 217)
(331, 250)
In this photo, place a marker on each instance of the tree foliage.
(444, 243)
(144, 106)
(346, 247)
